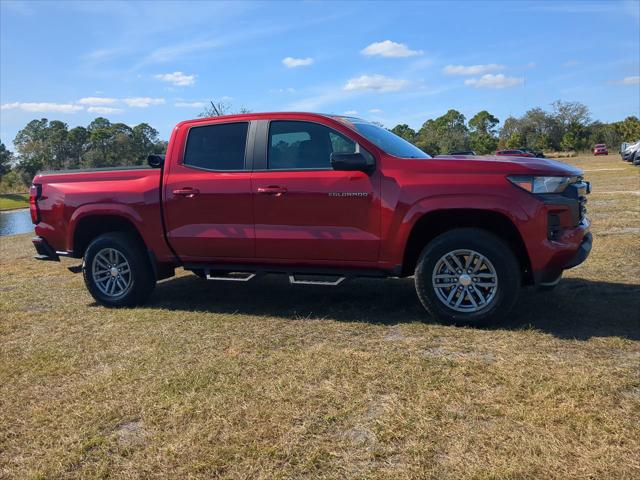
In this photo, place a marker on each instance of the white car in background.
(630, 152)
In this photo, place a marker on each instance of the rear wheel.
(117, 271)
(467, 276)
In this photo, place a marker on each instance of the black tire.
(497, 252)
(141, 280)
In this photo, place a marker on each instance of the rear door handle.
(186, 192)
(272, 190)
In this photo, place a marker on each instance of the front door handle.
(187, 192)
(272, 190)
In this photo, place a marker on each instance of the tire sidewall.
(495, 250)
(142, 282)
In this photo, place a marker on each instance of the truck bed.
(131, 193)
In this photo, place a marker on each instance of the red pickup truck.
(320, 198)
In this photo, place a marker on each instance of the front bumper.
(564, 256)
(583, 252)
(44, 250)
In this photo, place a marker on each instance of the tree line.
(567, 127)
(51, 145)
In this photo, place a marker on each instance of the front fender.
(405, 218)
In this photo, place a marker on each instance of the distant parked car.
(600, 149)
(463, 152)
(623, 147)
(535, 153)
(514, 153)
(629, 153)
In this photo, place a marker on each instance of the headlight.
(540, 184)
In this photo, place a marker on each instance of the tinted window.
(294, 145)
(388, 141)
(217, 147)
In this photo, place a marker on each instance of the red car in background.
(514, 153)
(600, 149)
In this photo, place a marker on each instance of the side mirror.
(155, 161)
(358, 162)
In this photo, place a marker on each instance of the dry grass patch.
(267, 380)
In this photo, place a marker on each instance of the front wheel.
(117, 272)
(467, 276)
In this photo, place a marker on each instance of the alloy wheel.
(465, 280)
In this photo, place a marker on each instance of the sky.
(392, 62)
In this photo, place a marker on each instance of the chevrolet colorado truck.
(320, 198)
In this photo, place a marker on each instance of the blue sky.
(160, 62)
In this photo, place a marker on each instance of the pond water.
(15, 222)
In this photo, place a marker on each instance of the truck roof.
(260, 115)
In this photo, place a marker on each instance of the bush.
(13, 182)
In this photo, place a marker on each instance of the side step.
(230, 276)
(310, 281)
(294, 278)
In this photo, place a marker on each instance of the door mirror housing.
(354, 162)
(155, 161)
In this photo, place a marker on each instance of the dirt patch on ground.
(130, 433)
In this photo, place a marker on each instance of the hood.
(510, 165)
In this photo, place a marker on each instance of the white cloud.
(143, 102)
(635, 80)
(375, 110)
(42, 107)
(97, 101)
(164, 54)
(570, 63)
(177, 78)
(189, 104)
(387, 48)
(378, 83)
(291, 62)
(494, 81)
(472, 69)
(282, 90)
(351, 112)
(104, 110)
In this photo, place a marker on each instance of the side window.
(294, 145)
(341, 144)
(217, 147)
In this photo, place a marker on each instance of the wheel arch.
(89, 227)
(434, 223)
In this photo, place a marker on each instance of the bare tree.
(220, 108)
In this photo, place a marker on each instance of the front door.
(209, 210)
(305, 210)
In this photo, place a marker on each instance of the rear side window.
(217, 147)
(300, 145)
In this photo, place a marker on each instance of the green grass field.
(266, 380)
(11, 201)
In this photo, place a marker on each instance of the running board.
(330, 283)
(228, 278)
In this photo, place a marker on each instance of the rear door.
(305, 210)
(207, 191)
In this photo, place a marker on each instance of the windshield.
(388, 141)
